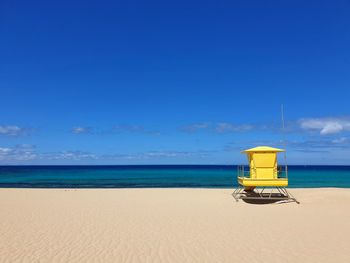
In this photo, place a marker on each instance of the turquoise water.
(211, 176)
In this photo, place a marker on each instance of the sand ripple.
(171, 225)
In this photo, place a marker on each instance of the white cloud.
(11, 130)
(326, 126)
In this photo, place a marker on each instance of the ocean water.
(206, 176)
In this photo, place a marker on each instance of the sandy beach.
(171, 225)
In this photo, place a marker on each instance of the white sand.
(171, 225)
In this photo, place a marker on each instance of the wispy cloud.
(224, 127)
(81, 130)
(127, 128)
(116, 129)
(69, 155)
(27, 152)
(238, 146)
(12, 130)
(195, 127)
(340, 140)
(326, 126)
(310, 145)
(157, 155)
(21, 152)
(220, 127)
(323, 126)
(320, 145)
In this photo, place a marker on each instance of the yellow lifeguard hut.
(263, 173)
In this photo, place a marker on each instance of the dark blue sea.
(206, 176)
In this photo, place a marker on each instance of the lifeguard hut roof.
(263, 149)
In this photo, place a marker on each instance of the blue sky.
(173, 82)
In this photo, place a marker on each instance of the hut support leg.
(282, 195)
(237, 193)
(290, 196)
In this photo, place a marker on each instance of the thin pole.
(284, 141)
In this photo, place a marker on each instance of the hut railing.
(244, 171)
(282, 172)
